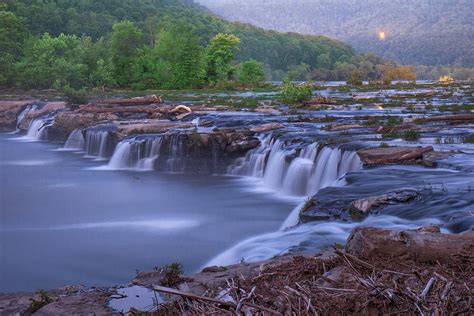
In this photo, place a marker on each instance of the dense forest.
(152, 44)
(428, 32)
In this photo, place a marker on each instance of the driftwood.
(426, 244)
(135, 109)
(152, 99)
(450, 118)
(381, 156)
(213, 300)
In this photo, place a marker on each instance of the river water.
(63, 223)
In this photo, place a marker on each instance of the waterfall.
(21, 116)
(137, 153)
(97, 143)
(75, 141)
(38, 129)
(296, 172)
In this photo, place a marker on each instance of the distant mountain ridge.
(430, 32)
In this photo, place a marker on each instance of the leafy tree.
(251, 72)
(125, 41)
(53, 62)
(220, 53)
(356, 78)
(103, 75)
(12, 36)
(178, 45)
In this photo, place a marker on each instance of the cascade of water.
(21, 116)
(96, 143)
(75, 141)
(38, 128)
(295, 172)
(136, 153)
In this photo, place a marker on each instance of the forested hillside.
(132, 43)
(430, 32)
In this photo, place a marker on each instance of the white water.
(22, 115)
(75, 141)
(318, 235)
(136, 154)
(96, 142)
(296, 173)
(37, 130)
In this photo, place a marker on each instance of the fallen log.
(391, 155)
(449, 118)
(425, 244)
(135, 109)
(152, 99)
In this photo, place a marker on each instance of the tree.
(53, 62)
(102, 76)
(292, 93)
(251, 72)
(12, 36)
(356, 78)
(220, 53)
(124, 44)
(391, 72)
(178, 45)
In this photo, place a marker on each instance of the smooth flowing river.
(63, 223)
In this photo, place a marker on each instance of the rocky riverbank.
(432, 274)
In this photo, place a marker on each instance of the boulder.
(425, 244)
(393, 155)
(9, 111)
(266, 127)
(48, 108)
(363, 206)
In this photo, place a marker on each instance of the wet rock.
(425, 244)
(363, 206)
(266, 127)
(9, 111)
(432, 159)
(150, 127)
(243, 145)
(342, 127)
(48, 108)
(66, 122)
(393, 155)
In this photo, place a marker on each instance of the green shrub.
(75, 97)
(292, 93)
(411, 135)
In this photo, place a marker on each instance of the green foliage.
(411, 135)
(356, 78)
(293, 93)
(75, 97)
(219, 55)
(468, 139)
(12, 36)
(251, 72)
(103, 75)
(36, 305)
(53, 62)
(173, 274)
(125, 41)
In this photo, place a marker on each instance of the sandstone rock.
(150, 127)
(49, 107)
(66, 122)
(9, 111)
(266, 127)
(363, 206)
(393, 155)
(423, 244)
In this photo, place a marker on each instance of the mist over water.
(62, 223)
